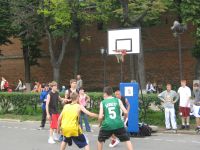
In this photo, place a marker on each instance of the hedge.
(28, 103)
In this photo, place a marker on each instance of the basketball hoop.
(120, 54)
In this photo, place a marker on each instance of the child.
(52, 111)
(83, 99)
(112, 123)
(68, 122)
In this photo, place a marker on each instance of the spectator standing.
(37, 87)
(83, 100)
(184, 105)
(196, 106)
(3, 80)
(150, 88)
(169, 97)
(20, 86)
(79, 82)
(43, 99)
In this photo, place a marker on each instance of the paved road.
(25, 136)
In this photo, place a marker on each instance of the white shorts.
(196, 111)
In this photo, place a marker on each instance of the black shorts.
(80, 140)
(121, 133)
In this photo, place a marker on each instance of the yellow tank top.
(70, 120)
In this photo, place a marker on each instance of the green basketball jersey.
(112, 116)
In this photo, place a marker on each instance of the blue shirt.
(43, 97)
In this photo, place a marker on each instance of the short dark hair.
(108, 90)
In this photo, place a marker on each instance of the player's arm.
(128, 105)
(123, 108)
(82, 108)
(101, 112)
(63, 100)
(47, 107)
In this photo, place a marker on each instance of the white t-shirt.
(185, 94)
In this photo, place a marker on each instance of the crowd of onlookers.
(37, 86)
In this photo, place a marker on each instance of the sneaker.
(41, 128)
(182, 127)
(187, 127)
(55, 136)
(114, 143)
(61, 138)
(51, 141)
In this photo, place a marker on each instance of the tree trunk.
(78, 50)
(56, 74)
(27, 68)
(197, 70)
(141, 70)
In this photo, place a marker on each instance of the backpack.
(144, 130)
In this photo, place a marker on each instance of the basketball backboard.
(128, 39)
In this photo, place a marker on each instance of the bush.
(19, 103)
(27, 103)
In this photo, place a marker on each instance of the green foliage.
(19, 103)
(5, 22)
(145, 12)
(28, 27)
(191, 14)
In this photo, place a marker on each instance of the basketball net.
(120, 54)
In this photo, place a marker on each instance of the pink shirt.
(82, 100)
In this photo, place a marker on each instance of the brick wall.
(161, 58)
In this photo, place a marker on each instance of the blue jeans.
(87, 126)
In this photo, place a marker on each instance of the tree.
(62, 21)
(141, 13)
(27, 22)
(190, 14)
(5, 23)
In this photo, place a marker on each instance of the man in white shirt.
(184, 105)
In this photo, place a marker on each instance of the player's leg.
(103, 136)
(167, 118)
(124, 137)
(63, 145)
(129, 145)
(99, 145)
(173, 118)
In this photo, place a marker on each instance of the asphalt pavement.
(25, 136)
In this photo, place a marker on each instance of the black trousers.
(44, 116)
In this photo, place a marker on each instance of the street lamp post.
(178, 29)
(104, 54)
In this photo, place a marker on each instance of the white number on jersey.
(112, 113)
